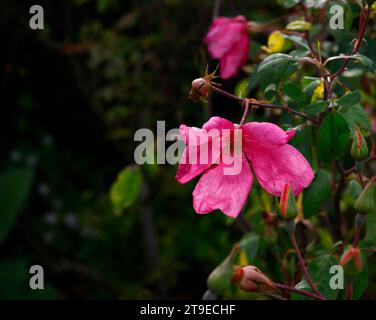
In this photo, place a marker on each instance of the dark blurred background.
(72, 96)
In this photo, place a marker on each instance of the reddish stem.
(287, 288)
(302, 265)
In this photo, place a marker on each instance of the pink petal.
(235, 58)
(274, 167)
(218, 123)
(198, 154)
(227, 193)
(223, 34)
(264, 135)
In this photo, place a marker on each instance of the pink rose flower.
(228, 41)
(264, 144)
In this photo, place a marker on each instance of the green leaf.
(360, 283)
(297, 40)
(288, 3)
(333, 137)
(349, 99)
(271, 92)
(309, 86)
(241, 89)
(275, 61)
(250, 244)
(299, 25)
(317, 193)
(293, 91)
(367, 62)
(126, 189)
(356, 116)
(370, 236)
(316, 107)
(318, 270)
(315, 3)
(15, 186)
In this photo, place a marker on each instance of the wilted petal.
(227, 193)
(276, 166)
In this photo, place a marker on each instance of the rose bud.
(359, 148)
(251, 279)
(352, 261)
(287, 206)
(219, 280)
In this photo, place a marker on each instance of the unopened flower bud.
(219, 280)
(287, 205)
(366, 202)
(359, 148)
(251, 279)
(352, 261)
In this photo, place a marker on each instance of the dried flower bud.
(366, 202)
(251, 279)
(359, 148)
(200, 87)
(287, 205)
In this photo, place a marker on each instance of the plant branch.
(287, 288)
(302, 265)
(364, 15)
(253, 102)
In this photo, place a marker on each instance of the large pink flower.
(228, 41)
(264, 144)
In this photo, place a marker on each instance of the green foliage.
(316, 107)
(276, 61)
(333, 137)
(14, 282)
(126, 189)
(14, 189)
(360, 283)
(288, 3)
(319, 271)
(299, 25)
(317, 193)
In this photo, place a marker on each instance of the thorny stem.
(287, 288)
(302, 265)
(253, 102)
